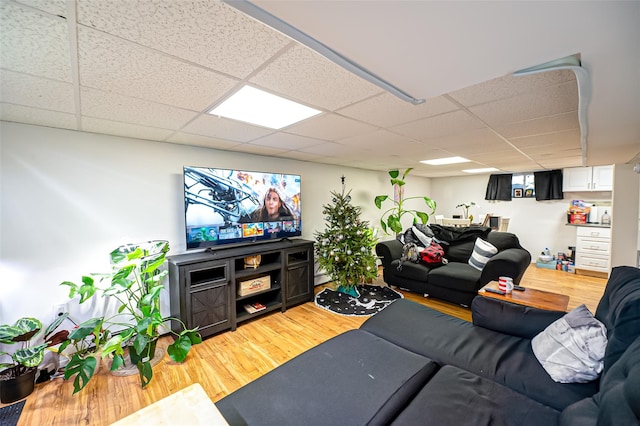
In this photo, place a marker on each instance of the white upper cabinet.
(596, 178)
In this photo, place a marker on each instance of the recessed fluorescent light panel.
(447, 160)
(485, 170)
(258, 107)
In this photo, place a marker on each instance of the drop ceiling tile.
(378, 139)
(36, 116)
(107, 127)
(36, 92)
(329, 149)
(542, 153)
(307, 77)
(286, 141)
(199, 140)
(115, 107)
(442, 125)
(33, 42)
(224, 128)
(109, 64)
(54, 7)
(209, 33)
(558, 163)
(541, 103)
(329, 127)
(509, 86)
(560, 140)
(258, 149)
(302, 156)
(387, 110)
(552, 123)
(478, 140)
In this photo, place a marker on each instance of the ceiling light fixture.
(484, 170)
(258, 107)
(443, 161)
(324, 50)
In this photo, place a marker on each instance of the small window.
(522, 185)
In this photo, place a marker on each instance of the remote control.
(519, 288)
(493, 290)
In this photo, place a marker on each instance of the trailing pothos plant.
(391, 218)
(136, 282)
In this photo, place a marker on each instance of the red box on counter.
(580, 218)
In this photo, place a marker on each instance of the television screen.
(225, 206)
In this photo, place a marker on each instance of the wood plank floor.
(227, 361)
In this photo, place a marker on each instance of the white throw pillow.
(572, 349)
(482, 252)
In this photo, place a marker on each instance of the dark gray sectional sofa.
(457, 281)
(412, 365)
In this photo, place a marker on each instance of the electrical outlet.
(59, 310)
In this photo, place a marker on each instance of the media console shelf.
(204, 286)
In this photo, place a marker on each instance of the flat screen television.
(224, 206)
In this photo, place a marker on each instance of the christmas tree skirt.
(372, 300)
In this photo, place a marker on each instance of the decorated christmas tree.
(345, 248)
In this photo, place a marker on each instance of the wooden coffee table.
(529, 297)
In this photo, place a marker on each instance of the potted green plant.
(17, 377)
(391, 218)
(465, 206)
(136, 282)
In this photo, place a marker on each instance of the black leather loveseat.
(457, 281)
(412, 365)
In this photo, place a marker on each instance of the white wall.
(69, 198)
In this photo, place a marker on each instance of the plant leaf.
(146, 373)
(406, 172)
(55, 325)
(379, 199)
(431, 203)
(383, 226)
(394, 224)
(424, 218)
(28, 328)
(394, 173)
(83, 368)
(179, 349)
(118, 361)
(30, 357)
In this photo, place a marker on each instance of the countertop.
(589, 225)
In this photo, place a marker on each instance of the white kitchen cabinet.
(579, 179)
(593, 248)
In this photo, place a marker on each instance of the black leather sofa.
(456, 281)
(412, 365)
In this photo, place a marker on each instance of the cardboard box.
(254, 285)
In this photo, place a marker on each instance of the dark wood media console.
(204, 285)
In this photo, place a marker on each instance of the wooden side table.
(529, 297)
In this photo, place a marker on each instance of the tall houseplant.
(17, 376)
(391, 218)
(136, 283)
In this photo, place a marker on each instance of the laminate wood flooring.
(227, 361)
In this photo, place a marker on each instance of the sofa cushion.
(505, 359)
(459, 252)
(511, 318)
(356, 376)
(619, 311)
(414, 271)
(457, 276)
(503, 240)
(482, 252)
(572, 348)
(457, 397)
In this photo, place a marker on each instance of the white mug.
(505, 284)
